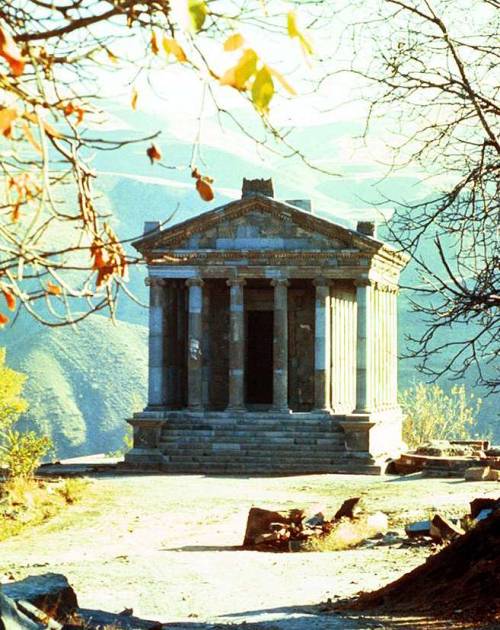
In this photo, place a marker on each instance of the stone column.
(169, 344)
(181, 344)
(156, 373)
(194, 358)
(322, 346)
(236, 344)
(363, 347)
(280, 345)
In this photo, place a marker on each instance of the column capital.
(236, 282)
(322, 282)
(194, 282)
(155, 282)
(280, 282)
(363, 282)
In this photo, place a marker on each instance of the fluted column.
(194, 354)
(156, 371)
(169, 343)
(322, 346)
(363, 347)
(236, 344)
(280, 345)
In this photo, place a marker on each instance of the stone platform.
(249, 443)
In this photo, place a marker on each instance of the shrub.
(431, 413)
(20, 452)
(23, 452)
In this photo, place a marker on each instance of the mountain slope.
(82, 384)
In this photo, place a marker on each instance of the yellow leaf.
(238, 76)
(154, 44)
(49, 130)
(171, 47)
(7, 117)
(233, 42)
(133, 100)
(293, 31)
(31, 138)
(111, 56)
(197, 13)
(262, 90)
(283, 81)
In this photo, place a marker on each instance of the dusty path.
(162, 546)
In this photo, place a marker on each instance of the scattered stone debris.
(460, 581)
(48, 602)
(454, 458)
(267, 530)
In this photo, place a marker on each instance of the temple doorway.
(259, 358)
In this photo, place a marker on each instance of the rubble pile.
(294, 530)
(476, 460)
(460, 581)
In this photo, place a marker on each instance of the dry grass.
(28, 502)
(349, 533)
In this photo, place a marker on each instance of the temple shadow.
(207, 548)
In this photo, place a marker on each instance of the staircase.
(259, 443)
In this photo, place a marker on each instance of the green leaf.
(262, 90)
(197, 12)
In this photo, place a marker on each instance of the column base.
(375, 434)
(145, 451)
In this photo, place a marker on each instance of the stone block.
(477, 473)
(50, 593)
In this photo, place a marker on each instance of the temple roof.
(175, 237)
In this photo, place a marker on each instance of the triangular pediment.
(256, 223)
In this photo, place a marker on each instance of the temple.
(272, 343)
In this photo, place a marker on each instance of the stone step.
(206, 434)
(262, 469)
(300, 441)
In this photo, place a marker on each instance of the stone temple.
(272, 343)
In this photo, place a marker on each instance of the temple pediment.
(256, 223)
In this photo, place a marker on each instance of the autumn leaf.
(293, 31)
(31, 138)
(172, 47)
(9, 298)
(7, 117)
(3, 319)
(197, 10)
(155, 49)
(203, 185)
(53, 289)
(233, 42)
(204, 189)
(49, 129)
(153, 153)
(238, 76)
(111, 56)
(10, 52)
(70, 108)
(134, 98)
(262, 90)
(283, 81)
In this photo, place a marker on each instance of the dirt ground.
(162, 545)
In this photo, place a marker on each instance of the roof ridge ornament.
(257, 186)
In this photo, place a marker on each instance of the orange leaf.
(3, 319)
(9, 298)
(11, 53)
(204, 189)
(172, 47)
(7, 117)
(133, 100)
(16, 212)
(153, 153)
(155, 49)
(53, 289)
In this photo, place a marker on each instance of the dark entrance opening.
(259, 358)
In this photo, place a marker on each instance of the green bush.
(433, 414)
(20, 452)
